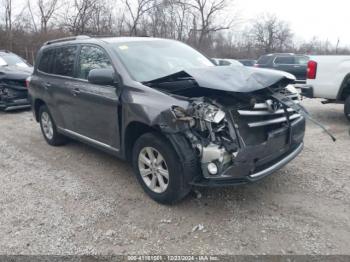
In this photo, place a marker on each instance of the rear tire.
(158, 169)
(347, 108)
(49, 129)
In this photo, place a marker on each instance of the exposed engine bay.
(220, 127)
(245, 133)
(242, 123)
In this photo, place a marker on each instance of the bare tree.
(77, 20)
(101, 19)
(200, 23)
(271, 34)
(137, 12)
(8, 21)
(47, 9)
(32, 16)
(8, 15)
(119, 24)
(181, 18)
(207, 11)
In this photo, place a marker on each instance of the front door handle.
(76, 91)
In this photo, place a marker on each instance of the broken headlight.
(209, 134)
(208, 112)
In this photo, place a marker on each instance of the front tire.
(347, 108)
(158, 169)
(49, 129)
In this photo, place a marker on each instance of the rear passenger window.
(285, 60)
(301, 60)
(45, 64)
(64, 60)
(91, 57)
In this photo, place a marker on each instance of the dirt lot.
(77, 200)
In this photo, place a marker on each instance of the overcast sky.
(322, 18)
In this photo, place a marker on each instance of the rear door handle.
(76, 91)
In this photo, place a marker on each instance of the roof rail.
(4, 51)
(101, 36)
(71, 38)
(280, 54)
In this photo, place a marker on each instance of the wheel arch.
(36, 106)
(344, 90)
(132, 132)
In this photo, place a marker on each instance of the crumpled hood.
(237, 78)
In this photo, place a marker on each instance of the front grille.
(255, 123)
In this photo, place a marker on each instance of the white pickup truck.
(328, 77)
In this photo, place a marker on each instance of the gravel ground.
(77, 200)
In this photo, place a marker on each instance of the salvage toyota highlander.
(179, 119)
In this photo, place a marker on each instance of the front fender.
(146, 106)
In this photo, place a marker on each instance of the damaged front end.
(241, 140)
(239, 137)
(13, 94)
(13, 87)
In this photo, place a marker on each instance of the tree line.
(212, 26)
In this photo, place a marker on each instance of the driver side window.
(92, 57)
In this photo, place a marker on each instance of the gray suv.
(179, 119)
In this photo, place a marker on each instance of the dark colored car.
(13, 74)
(291, 63)
(247, 62)
(179, 119)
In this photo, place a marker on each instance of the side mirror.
(102, 77)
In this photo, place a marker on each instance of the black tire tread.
(347, 108)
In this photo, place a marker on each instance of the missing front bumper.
(234, 180)
(257, 162)
(278, 165)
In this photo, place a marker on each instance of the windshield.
(150, 60)
(12, 60)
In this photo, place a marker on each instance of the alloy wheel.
(47, 125)
(153, 169)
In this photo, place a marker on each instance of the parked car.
(247, 62)
(179, 119)
(291, 63)
(329, 78)
(14, 71)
